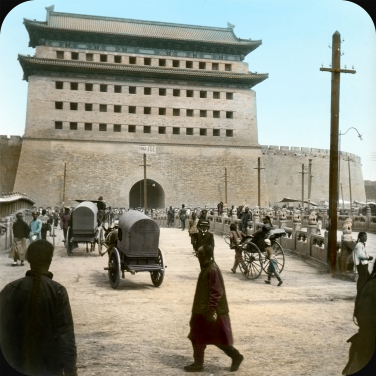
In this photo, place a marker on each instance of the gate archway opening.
(155, 195)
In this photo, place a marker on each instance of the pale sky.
(293, 104)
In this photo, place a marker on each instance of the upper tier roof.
(139, 28)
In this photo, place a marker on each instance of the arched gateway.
(155, 195)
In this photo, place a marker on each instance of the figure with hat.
(272, 268)
(101, 205)
(210, 321)
(204, 237)
(202, 218)
(183, 216)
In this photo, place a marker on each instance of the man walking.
(210, 321)
(35, 228)
(64, 222)
(204, 237)
(182, 215)
(170, 216)
(246, 217)
(20, 233)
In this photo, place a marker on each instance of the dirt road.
(299, 328)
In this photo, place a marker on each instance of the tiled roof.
(6, 198)
(249, 78)
(138, 28)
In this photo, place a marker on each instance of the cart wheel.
(279, 255)
(114, 268)
(157, 277)
(68, 244)
(99, 240)
(226, 238)
(251, 267)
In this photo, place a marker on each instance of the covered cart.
(137, 249)
(84, 228)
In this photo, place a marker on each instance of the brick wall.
(10, 149)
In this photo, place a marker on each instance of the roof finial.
(230, 25)
(49, 10)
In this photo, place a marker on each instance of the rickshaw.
(84, 228)
(137, 249)
(254, 256)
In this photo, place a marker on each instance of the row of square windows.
(103, 58)
(146, 129)
(147, 90)
(147, 110)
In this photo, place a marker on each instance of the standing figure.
(64, 222)
(201, 219)
(361, 260)
(319, 225)
(210, 320)
(204, 237)
(246, 217)
(236, 238)
(35, 228)
(101, 209)
(193, 230)
(20, 233)
(170, 217)
(36, 324)
(46, 224)
(272, 268)
(182, 216)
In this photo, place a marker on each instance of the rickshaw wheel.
(114, 268)
(226, 238)
(67, 243)
(280, 256)
(157, 277)
(252, 258)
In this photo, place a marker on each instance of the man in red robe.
(210, 322)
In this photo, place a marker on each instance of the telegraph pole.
(348, 161)
(309, 183)
(65, 179)
(259, 168)
(303, 173)
(145, 185)
(333, 168)
(343, 203)
(226, 185)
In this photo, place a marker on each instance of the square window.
(203, 94)
(89, 87)
(147, 129)
(147, 90)
(117, 59)
(176, 112)
(147, 110)
(74, 85)
(216, 132)
(59, 85)
(229, 114)
(131, 128)
(176, 63)
(103, 58)
(190, 93)
(215, 66)
(203, 113)
(228, 67)
(74, 55)
(216, 114)
(103, 127)
(175, 130)
(189, 131)
(162, 62)
(216, 95)
(162, 111)
(162, 91)
(202, 65)
(162, 130)
(103, 108)
(229, 95)
(132, 60)
(176, 93)
(203, 132)
(229, 133)
(88, 126)
(58, 125)
(189, 112)
(132, 89)
(89, 57)
(88, 107)
(147, 61)
(60, 54)
(189, 64)
(132, 109)
(58, 105)
(74, 106)
(117, 127)
(73, 126)
(103, 88)
(117, 88)
(117, 108)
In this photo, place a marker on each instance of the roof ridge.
(227, 29)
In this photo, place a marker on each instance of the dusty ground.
(299, 328)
